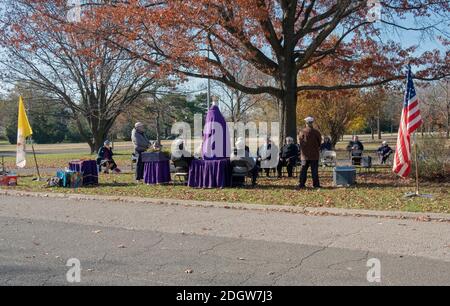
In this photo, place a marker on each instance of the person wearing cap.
(141, 144)
(105, 159)
(310, 140)
(384, 152)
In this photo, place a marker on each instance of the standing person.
(310, 141)
(288, 157)
(141, 144)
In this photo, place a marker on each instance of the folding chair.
(239, 169)
(181, 171)
(329, 159)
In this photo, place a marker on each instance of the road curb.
(309, 211)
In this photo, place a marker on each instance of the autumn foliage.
(277, 38)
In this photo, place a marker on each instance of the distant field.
(57, 155)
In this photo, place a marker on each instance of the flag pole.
(417, 164)
(35, 160)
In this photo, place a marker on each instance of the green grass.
(381, 191)
(374, 192)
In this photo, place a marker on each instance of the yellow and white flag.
(23, 131)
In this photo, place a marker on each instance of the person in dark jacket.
(327, 145)
(241, 152)
(310, 141)
(384, 152)
(181, 157)
(288, 157)
(141, 144)
(356, 149)
(105, 159)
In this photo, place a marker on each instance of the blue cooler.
(344, 176)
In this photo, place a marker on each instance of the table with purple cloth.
(88, 168)
(157, 172)
(210, 173)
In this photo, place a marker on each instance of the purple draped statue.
(216, 137)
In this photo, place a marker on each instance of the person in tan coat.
(310, 140)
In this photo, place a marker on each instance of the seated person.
(327, 145)
(105, 159)
(384, 152)
(356, 149)
(242, 152)
(180, 156)
(265, 153)
(288, 157)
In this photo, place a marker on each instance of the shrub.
(433, 158)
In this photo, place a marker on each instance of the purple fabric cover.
(157, 172)
(88, 168)
(210, 173)
(216, 137)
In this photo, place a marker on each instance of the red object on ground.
(8, 180)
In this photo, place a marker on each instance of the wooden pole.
(35, 160)
(417, 164)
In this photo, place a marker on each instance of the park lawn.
(374, 192)
(61, 160)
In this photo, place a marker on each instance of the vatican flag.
(23, 131)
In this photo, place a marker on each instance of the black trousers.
(289, 164)
(139, 167)
(108, 164)
(314, 164)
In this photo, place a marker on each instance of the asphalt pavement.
(120, 243)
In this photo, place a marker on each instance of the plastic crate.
(344, 176)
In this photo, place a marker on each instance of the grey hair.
(289, 140)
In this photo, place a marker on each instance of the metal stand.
(417, 193)
(3, 166)
(39, 178)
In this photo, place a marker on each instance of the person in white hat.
(310, 140)
(384, 152)
(105, 158)
(141, 144)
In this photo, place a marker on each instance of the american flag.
(410, 122)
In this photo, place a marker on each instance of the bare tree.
(94, 81)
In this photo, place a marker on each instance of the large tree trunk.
(448, 120)
(282, 119)
(379, 126)
(288, 103)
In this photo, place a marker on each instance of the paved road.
(137, 244)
